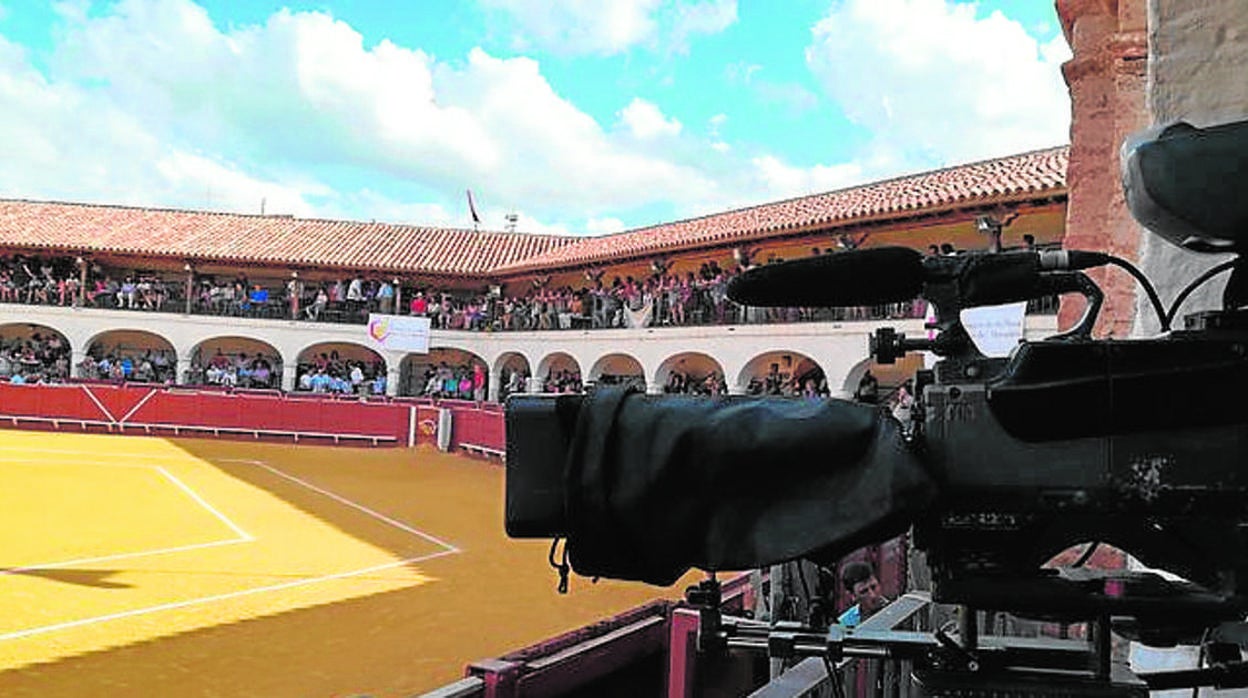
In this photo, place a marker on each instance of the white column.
(654, 388)
(289, 369)
(75, 358)
(392, 380)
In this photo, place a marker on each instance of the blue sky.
(580, 116)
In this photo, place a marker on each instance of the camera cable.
(563, 568)
(1195, 284)
(1162, 316)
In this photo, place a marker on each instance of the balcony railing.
(603, 317)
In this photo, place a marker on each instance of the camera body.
(1137, 443)
(1140, 443)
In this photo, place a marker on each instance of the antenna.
(511, 219)
(262, 202)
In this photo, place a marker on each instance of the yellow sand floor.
(157, 567)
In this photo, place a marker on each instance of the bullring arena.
(217, 483)
(149, 566)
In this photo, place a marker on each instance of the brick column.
(1106, 78)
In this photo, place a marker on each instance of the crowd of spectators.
(661, 299)
(59, 281)
(236, 371)
(563, 381)
(680, 383)
(778, 383)
(39, 359)
(136, 366)
(463, 382)
(333, 374)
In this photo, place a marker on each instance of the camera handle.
(1078, 282)
(887, 345)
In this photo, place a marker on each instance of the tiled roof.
(1019, 177)
(267, 240)
(287, 241)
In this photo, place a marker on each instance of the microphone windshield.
(858, 277)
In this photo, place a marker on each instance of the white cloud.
(606, 27)
(604, 226)
(187, 114)
(581, 26)
(63, 143)
(790, 95)
(645, 121)
(707, 17)
(938, 85)
(555, 154)
(741, 72)
(150, 103)
(781, 180)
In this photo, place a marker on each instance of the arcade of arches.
(168, 361)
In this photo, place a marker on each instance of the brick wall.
(1106, 78)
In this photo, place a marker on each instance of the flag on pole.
(472, 208)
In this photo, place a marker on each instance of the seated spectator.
(318, 305)
(262, 376)
(259, 296)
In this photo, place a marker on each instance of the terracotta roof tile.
(276, 240)
(288, 241)
(1034, 174)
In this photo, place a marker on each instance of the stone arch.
(617, 369)
(771, 370)
(147, 356)
(335, 360)
(558, 372)
(695, 367)
(505, 365)
(262, 361)
(412, 380)
(36, 351)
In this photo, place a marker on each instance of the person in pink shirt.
(478, 382)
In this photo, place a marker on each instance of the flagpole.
(472, 210)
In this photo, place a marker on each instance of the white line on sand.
(219, 597)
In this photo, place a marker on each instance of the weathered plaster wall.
(1198, 72)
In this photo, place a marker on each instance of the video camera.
(1140, 443)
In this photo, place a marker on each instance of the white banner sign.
(995, 329)
(399, 333)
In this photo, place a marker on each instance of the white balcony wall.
(837, 348)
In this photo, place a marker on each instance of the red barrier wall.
(125, 407)
(478, 427)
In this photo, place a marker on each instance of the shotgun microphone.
(882, 275)
(858, 277)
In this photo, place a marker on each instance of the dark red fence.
(250, 414)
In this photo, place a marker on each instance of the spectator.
(868, 389)
(318, 304)
(861, 583)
